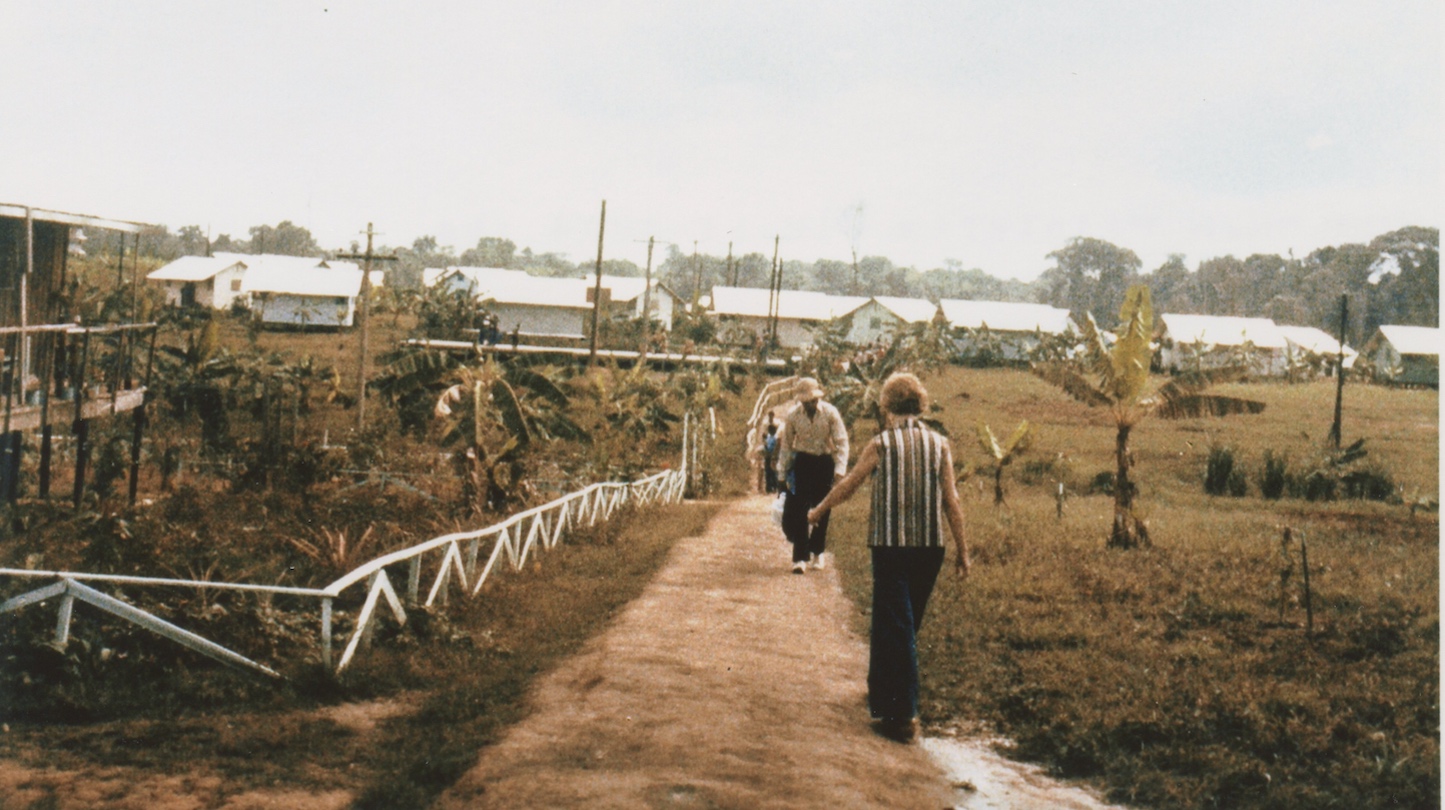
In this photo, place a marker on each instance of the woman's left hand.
(814, 515)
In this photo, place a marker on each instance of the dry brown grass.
(1165, 673)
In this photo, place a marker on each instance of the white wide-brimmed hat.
(808, 389)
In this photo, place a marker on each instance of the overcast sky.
(986, 133)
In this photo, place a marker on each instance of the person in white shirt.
(813, 448)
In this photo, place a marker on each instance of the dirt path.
(710, 690)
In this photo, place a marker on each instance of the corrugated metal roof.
(1223, 330)
(299, 275)
(1418, 340)
(909, 310)
(1006, 316)
(67, 218)
(1314, 340)
(518, 287)
(802, 305)
(195, 268)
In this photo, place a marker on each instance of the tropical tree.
(1117, 377)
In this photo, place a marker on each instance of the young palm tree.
(1120, 382)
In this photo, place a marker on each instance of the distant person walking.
(814, 448)
(770, 458)
(913, 493)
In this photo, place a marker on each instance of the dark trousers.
(902, 582)
(812, 480)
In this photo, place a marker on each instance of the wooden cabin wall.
(46, 288)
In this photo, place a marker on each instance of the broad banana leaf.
(1073, 383)
(1195, 405)
(1196, 381)
(1131, 351)
(538, 384)
(988, 442)
(505, 399)
(1019, 441)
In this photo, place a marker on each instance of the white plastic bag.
(778, 508)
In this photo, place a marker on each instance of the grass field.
(1181, 675)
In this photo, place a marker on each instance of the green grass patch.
(1181, 675)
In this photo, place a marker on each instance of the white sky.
(989, 133)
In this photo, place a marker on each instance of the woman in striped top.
(913, 495)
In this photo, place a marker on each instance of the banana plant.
(1002, 454)
(1118, 378)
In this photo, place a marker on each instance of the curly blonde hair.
(903, 394)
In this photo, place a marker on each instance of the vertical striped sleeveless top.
(908, 487)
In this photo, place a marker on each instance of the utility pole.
(647, 301)
(363, 321)
(731, 276)
(696, 276)
(775, 293)
(1335, 429)
(597, 289)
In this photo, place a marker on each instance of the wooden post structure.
(81, 428)
(696, 276)
(731, 276)
(1304, 558)
(597, 289)
(363, 321)
(1336, 428)
(139, 420)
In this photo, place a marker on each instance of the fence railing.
(455, 556)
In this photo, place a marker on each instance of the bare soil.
(729, 683)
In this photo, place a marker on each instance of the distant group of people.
(913, 496)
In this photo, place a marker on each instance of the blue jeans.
(902, 582)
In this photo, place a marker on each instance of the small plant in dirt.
(1003, 454)
(1121, 383)
(1274, 478)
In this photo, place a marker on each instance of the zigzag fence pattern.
(456, 556)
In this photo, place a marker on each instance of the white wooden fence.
(456, 557)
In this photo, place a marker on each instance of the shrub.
(1237, 485)
(1218, 470)
(1274, 481)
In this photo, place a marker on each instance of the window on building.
(875, 323)
(235, 285)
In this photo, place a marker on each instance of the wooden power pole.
(1336, 428)
(647, 301)
(597, 289)
(363, 321)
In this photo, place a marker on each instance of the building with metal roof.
(879, 316)
(1002, 331)
(1195, 342)
(1303, 343)
(799, 312)
(302, 291)
(206, 281)
(546, 306)
(1406, 354)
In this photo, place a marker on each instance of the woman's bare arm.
(953, 513)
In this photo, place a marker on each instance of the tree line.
(1394, 279)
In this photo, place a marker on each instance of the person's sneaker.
(900, 731)
(820, 561)
(800, 568)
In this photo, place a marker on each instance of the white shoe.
(820, 561)
(800, 568)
